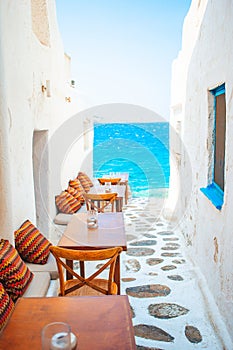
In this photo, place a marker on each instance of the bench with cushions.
(26, 270)
(71, 200)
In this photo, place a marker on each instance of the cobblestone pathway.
(168, 309)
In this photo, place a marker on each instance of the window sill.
(214, 194)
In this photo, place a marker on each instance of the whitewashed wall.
(31, 52)
(204, 62)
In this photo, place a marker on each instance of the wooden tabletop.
(100, 323)
(110, 232)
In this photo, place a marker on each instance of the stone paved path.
(168, 309)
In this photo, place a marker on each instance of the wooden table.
(119, 189)
(100, 323)
(110, 233)
(124, 181)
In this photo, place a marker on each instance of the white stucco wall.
(31, 53)
(205, 64)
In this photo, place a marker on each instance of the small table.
(99, 323)
(124, 180)
(119, 189)
(109, 233)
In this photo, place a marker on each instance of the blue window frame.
(215, 190)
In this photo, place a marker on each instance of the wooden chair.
(114, 181)
(99, 201)
(91, 285)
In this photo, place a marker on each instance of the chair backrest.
(99, 201)
(114, 181)
(63, 254)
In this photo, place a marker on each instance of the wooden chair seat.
(90, 285)
(86, 290)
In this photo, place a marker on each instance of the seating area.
(26, 270)
(31, 267)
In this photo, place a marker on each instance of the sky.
(122, 50)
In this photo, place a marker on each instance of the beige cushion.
(50, 267)
(39, 285)
(62, 219)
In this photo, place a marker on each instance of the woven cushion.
(76, 194)
(32, 246)
(66, 203)
(14, 274)
(85, 177)
(6, 306)
(85, 181)
(77, 185)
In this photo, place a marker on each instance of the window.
(215, 190)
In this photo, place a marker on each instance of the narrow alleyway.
(168, 308)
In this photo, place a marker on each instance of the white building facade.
(201, 196)
(36, 100)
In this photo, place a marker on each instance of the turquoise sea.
(140, 149)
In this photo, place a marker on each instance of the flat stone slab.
(148, 291)
(167, 310)
(132, 265)
(193, 334)
(169, 247)
(173, 244)
(168, 239)
(172, 255)
(140, 251)
(166, 233)
(154, 261)
(152, 332)
(168, 267)
(175, 277)
(178, 261)
(149, 235)
(128, 279)
(144, 243)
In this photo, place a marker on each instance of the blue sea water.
(140, 149)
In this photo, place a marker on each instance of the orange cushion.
(6, 306)
(66, 203)
(76, 194)
(32, 246)
(86, 178)
(77, 185)
(14, 273)
(83, 180)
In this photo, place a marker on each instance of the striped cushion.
(76, 194)
(76, 184)
(32, 246)
(84, 176)
(66, 203)
(6, 306)
(84, 181)
(14, 274)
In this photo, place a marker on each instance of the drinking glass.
(108, 187)
(92, 219)
(56, 336)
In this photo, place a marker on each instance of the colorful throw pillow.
(85, 177)
(84, 181)
(76, 184)
(14, 274)
(76, 194)
(6, 306)
(66, 203)
(32, 246)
